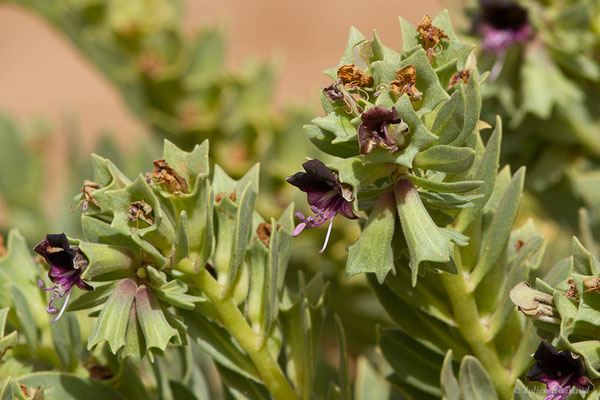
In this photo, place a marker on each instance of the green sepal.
(174, 293)
(338, 127)
(107, 262)
(111, 325)
(426, 241)
(418, 137)
(107, 175)
(96, 230)
(135, 344)
(192, 166)
(584, 262)
(484, 170)
(445, 187)
(450, 118)
(472, 96)
(182, 249)
(359, 176)
(198, 208)
(158, 333)
(160, 234)
(373, 251)
(93, 298)
(369, 383)
(448, 201)
(445, 159)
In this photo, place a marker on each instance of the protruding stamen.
(327, 237)
(64, 306)
(41, 285)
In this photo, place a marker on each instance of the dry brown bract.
(163, 173)
(592, 284)
(87, 189)
(352, 76)
(141, 210)
(458, 76)
(406, 83)
(264, 232)
(572, 292)
(431, 35)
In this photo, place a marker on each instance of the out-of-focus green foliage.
(547, 89)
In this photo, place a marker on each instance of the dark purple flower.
(326, 195)
(502, 23)
(559, 370)
(67, 264)
(381, 127)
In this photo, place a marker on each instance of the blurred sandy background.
(42, 75)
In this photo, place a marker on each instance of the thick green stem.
(235, 323)
(466, 315)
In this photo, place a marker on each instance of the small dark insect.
(87, 189)
(592, 284)
(519, 244)
(140, 210)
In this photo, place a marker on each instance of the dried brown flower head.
(572, 292)
(141, 211)
(87, 189)
(352, 76)
(406, 83)
(163, 173)
(431, 35)
(458, 76)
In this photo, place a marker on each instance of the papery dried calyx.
(534, 304)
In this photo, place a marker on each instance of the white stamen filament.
(64, 306)
(327, 237)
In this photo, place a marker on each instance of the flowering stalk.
(233, 320)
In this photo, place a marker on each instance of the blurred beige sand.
(43, 76)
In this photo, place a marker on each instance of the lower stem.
(466, 315)
(235, 323)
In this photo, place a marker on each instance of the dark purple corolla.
(67, 264)
(502, 23)
(381, 127)
(326, 195)
(559, 370)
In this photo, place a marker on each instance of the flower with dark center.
(559, 370)
(381, 127)
(502, 23)
(326, 195)
(67, 264)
